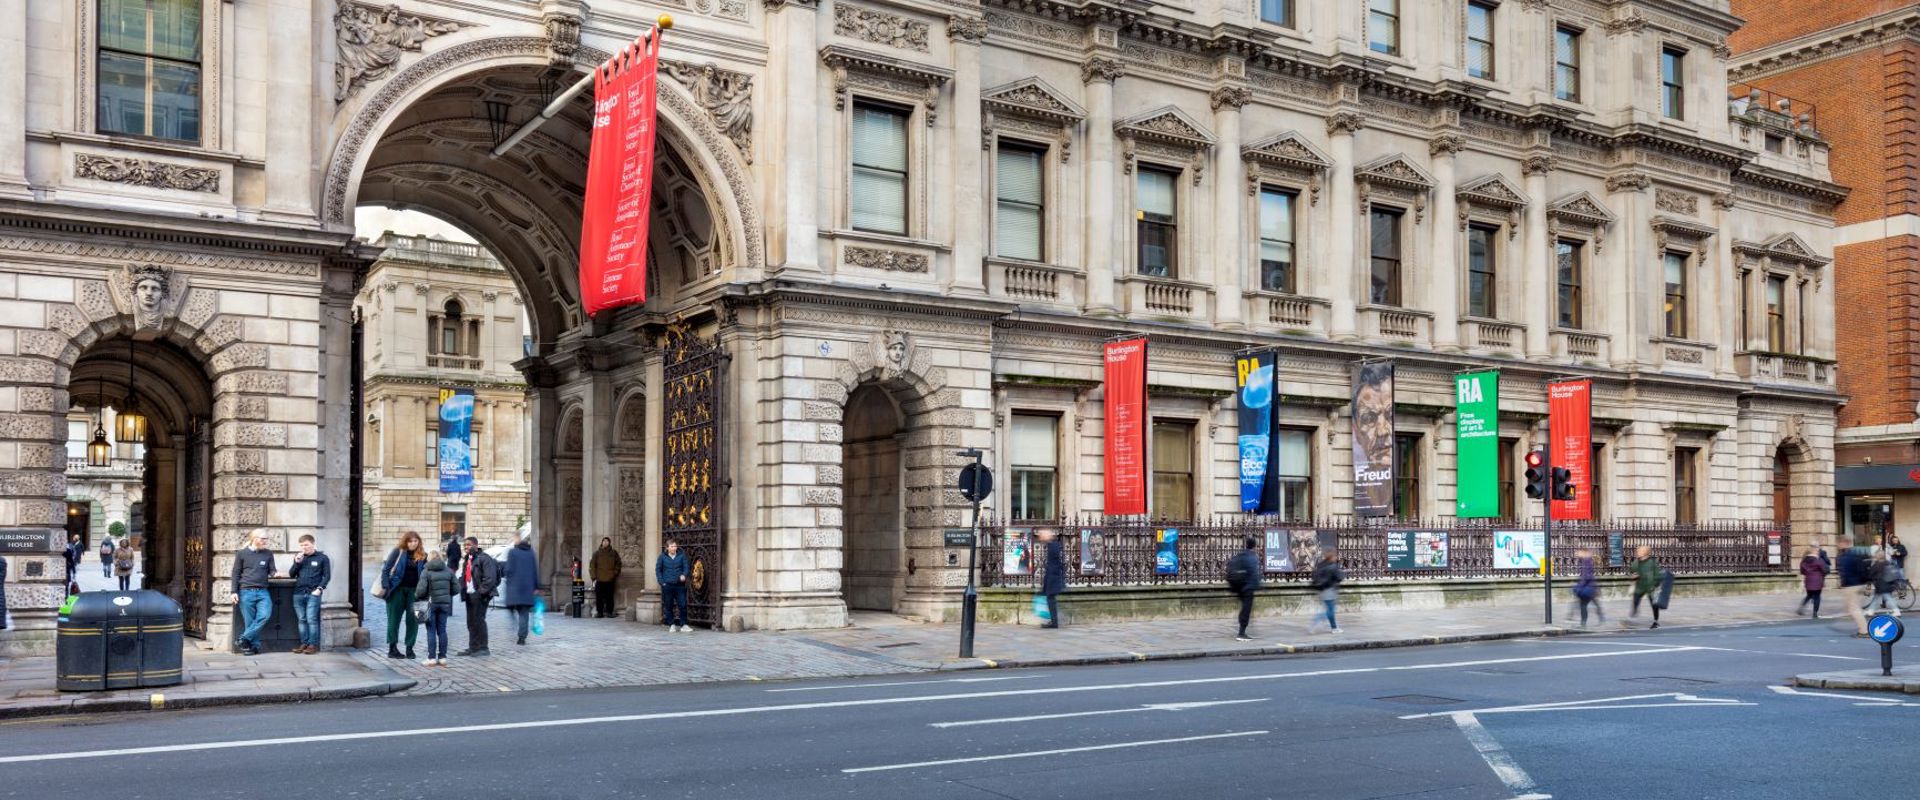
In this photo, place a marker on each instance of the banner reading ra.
(613, 223)
(456, 440)
(1126, 424)
(1256, 377)
(1570, 417)
(1476, 407)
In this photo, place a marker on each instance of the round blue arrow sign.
(1886, 629)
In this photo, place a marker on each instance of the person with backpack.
(1646, 582)
(435, 591)
(1587, 589)
(1053, 577)
(1813, 576)
(106, 556)
(1327, 577)
(1854, 578)
(1243, 577)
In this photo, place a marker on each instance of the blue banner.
(1255, 373)
(1166, 552)
(456, 440)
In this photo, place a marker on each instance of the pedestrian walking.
(520, 577)
(435, 592)
(1243, 577)
(1813, 576)
(1899, 554)
(1327, 577)
(106, 556)
(479, 578)
(252, 567)
(123, 558)
(398, 575)
(1586, 589)
(1646, 581)
(455, 548)
(1886, 579)
(1855, 575)
(74, 551)
(606, 575)
(311, 572)
(1053, 576)
(671, 569)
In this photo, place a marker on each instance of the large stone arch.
(1810, 486)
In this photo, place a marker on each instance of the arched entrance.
(1782, 488)
(873, 575)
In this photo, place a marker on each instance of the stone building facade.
(907, 227)
(439, 315)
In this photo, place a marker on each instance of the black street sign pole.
(975, 483)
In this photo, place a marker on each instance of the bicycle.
(1904, 595)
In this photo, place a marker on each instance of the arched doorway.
(1782, 488)
(873, 575)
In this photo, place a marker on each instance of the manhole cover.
(1418, 699)
(1667, 680)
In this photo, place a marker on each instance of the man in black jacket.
(252, 566)
(479, 577)
(311, 571)
(1243, 577)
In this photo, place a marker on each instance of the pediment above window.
(1289, 150)
(885, 76)
(1580, 212)
(1032, 98)
(1166, 125)
(1684, 233)
(1492, 190)
(1394, 172)
(1784, 249)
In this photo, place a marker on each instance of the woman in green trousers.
(398, 577)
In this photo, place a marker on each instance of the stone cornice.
(66, 222)
(1798, 185)
(1829, 43)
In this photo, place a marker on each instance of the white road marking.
(876, 701)
(1497, 757)
(1134, 710)
(1034, 753)
(1679, 700)
(1604, 643)
(1885, 701)
(906, 683)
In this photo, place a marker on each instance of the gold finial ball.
(666, 22)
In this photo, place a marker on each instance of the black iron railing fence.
(1124, 553)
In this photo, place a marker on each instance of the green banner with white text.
(1477, 420)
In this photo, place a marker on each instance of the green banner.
(1476, 411)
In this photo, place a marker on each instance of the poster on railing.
(1305, 547)
(1279, 554)
(1616, 549)
(1016, 552)
(1373, 439)
(1166, 552)
(456, 440)
(1519, 549)
(1126, 427)
(1255, 375)
(1570, 417)
(1093, 546)
(1476, 406)
(1414, 550)
(1773, 549)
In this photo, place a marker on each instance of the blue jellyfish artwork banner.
(456, 440)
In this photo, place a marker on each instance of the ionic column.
(1536, 274)
(1103, 208)
(1445, 275)
(1342, 273)
(1229, 210)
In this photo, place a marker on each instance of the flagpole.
(665, 22)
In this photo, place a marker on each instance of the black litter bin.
(119, 640)
(282, 631)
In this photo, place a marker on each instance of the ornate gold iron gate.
(693, 473)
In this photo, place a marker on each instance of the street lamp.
(99, 452)
(130, 425)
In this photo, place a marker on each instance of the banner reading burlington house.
(1257, 382)
(1126, 411)
(1476, 408)
(1373, 439)
(613, 223)
(456, 440)
(1570, 417)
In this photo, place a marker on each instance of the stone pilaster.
(795, 230)
(1230, 266)
(1103, 202)
(1344, 274)
(1444, 294)
(1537, 273)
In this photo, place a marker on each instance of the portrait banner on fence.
(1519, 549)
(1373, 439)
(1166, 551)
(1257, 381)
(1279, 555)
(1093, 545)
(1416, 550)
(1570, 416)
(456, 440)
(1126, 427)
(1306, 546)
(1016, 553)
(613, 222)
(1476, 407)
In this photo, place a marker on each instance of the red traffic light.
(1535, 458)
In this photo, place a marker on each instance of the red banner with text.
(613, 225)
(1126, 409)
(1570, 415)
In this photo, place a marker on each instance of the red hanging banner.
(1570, 415)
(613, 225)
(1126, 412)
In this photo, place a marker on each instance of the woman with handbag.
(398, 577)
(434, 606)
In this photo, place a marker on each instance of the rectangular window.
(1278, 12)
(1383, 26)
(1294, 468)
(1019, 220)
(1035, 456)
(1775, 143)
(433, 335)
(1480, 40)
(1154, 198)
(878, 196)
(1509, 450)
(1276, 240)
(1776, 314)
(1173, 470)
(1385, 252)
(1568, 257)
(1685, 484)
(453, 522)
(1676, 307)
(1673, 83)
(149, 69)
(1481, 286)
(433, 440)
(450, 336)
(1406, 475)
(1566, 64)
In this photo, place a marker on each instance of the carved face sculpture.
(896, 348)
(148, 292)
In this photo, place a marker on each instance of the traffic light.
(1562, 484)
(1537, 475)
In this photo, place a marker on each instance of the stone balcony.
(119, 469)
(1579, 346)
(1034, 282)
(1396, 325)
(1289, 313)
(1493, 336)
(1785, 369)
(1169, 299)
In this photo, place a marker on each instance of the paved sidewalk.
(211, 679)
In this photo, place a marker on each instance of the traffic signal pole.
(1546, 517)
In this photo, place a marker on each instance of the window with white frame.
(1674, 265)
(1034, 453)
(1480, 40)
(1156, 211)
(1673, 83)
(1276, 240)
(433, 437)
(1566, 64)
(877, 199)
(148, 56)
(1172, 469)
(1569, 258)
(1383, 26)
(1293, 468)
(1019, 222)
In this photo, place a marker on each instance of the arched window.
(450, 329)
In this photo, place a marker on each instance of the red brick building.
(1850, 70)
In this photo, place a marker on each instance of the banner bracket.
(663, 23)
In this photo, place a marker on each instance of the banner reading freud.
(613, 223)
(1476, 409)
(1256, 376)
(1126, 424)
(456, 440)
(1373, 439)
(1570, 416)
